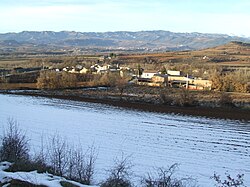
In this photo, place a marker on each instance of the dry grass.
(232, 54)
(17, 86)
(8, 64)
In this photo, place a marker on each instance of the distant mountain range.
(146, 40)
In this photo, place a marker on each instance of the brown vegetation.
(55, 80)
(237, 81)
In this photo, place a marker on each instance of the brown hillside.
(231, 54)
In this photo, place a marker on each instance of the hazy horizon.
(183, 16)
(120, 31)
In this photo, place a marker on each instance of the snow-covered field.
(201, 146)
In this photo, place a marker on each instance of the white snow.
(4, 165)
(201, 146)
(33, 177)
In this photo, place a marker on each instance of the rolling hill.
(145, 40)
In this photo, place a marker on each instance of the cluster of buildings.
(149, 78)
(173, 79)
(98, 69)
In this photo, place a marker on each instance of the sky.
(205, 16)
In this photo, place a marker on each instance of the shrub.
(185, 98)
(56, 80)
(14, 144)
(58, 150)
(81, 165)
(165, 98)
(70, 162)
(68, 80)
(163, 177)
(225, 100)
(30, 165)
(48, 80)
(229, 181)
(236, 81)
(119, 175)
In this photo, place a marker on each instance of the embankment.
(140, 104)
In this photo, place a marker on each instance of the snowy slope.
(33, 177)
(201, 146)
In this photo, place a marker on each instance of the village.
(139, 76)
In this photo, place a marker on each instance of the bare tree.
(229, 181)
(121, 83)
(120, 174)
(48, 80)
(39, 160)
(58, 151)
(164, 177)
(89, 165)
(82, 165)
(68, 80)
(14, 144)
(70, 161)
(71, 172)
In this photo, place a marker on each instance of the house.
(148, 74)
(79, 67)
(100, 69)
(142, 81)
(84, 70)
(174, 73)
(126, 72)
(105, 68)
(66, 69)
(97, 68)
(159, 80)
(201, 84)
(73, 70)
(176, 78)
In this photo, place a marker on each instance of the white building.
(148, 74)
(173, 72)
(84, 70)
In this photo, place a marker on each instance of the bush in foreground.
(14, 144)
(164, 177)
(120, 174)
(229, 181)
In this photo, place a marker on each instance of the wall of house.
(158, 79)
(172, 72)
(176, 78)
(148, 75)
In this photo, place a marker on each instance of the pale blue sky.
(206, 16)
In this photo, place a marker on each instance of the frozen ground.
(201, 146)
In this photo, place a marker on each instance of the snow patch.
(4, 165)
(33, 177)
